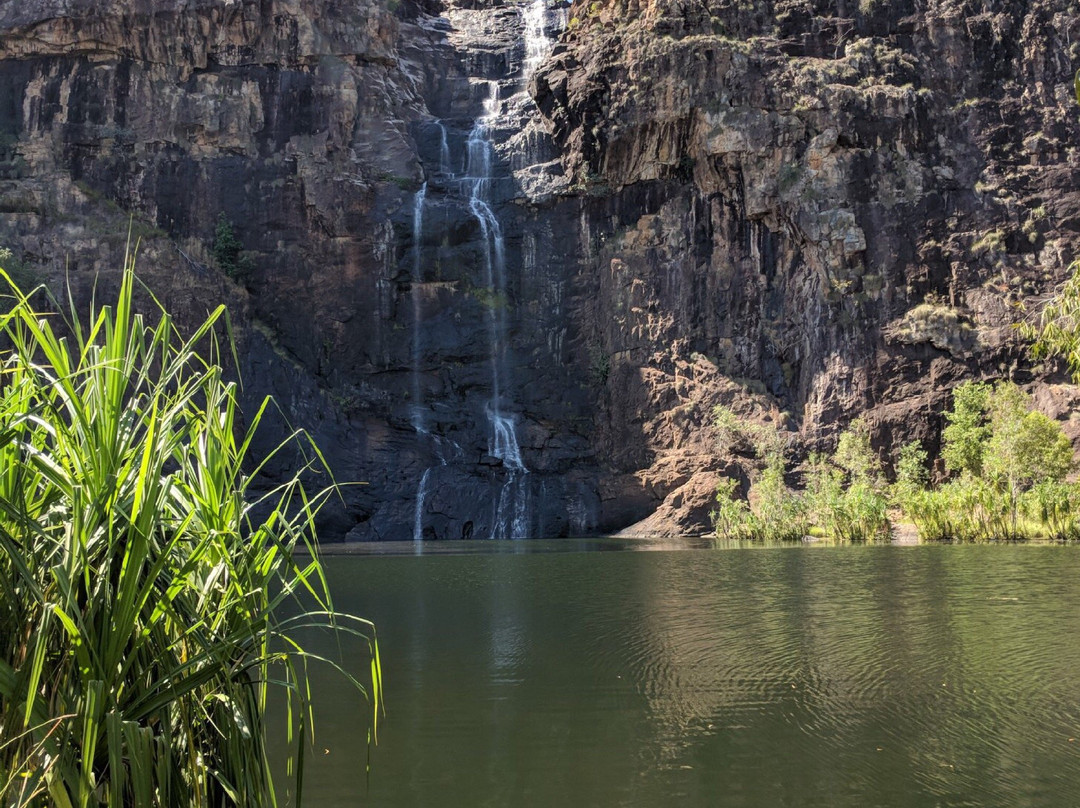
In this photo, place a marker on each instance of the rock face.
(849, 200)
(502, 259)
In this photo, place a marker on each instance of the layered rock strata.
(802, 210)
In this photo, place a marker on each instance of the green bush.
(963, 510)
(844, 509)
(1054, 505)
(777, 511)
(227, 250)
(1010, 461)
(140, 628)
(728, 429)
(1009, 464)
(774, 513)
(736, 435)
(911, 474)
(1025, 447)
(731, 516)
(855, 455)
(964, 438)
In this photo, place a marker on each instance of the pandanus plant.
(143, 580)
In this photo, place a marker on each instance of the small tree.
(855, 455)
(728, 428)
(228, 250)
(1025, 446)
(844, 496)
(774, 512)
(911, 471)
(731, 515)
(778, 511)
(912, 478)
(967, 432)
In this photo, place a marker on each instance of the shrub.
(730, 518)
(735, 435)
(1055, 505)
(965, 436)
(777, 510)
(911, 474)
(774, 513)
(855, 455)
(1025, 446)
(963, 510)
(228, 251)
(728, 428)
(140, 627)
(851, 512)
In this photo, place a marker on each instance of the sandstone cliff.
(852, 201)
(804, 210)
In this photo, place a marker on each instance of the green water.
(877, 676)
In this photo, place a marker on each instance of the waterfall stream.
(510, 519)
(537, 44)
(511, 516)
(417, 306)
(418, 515)
(444, 151)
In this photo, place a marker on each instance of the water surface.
(863, 676)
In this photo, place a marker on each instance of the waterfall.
(511, 517)
(418, 230)
(417, 303)
(446, 450)
(537, 44)
(418, 515)
(444, 151)
(417, 403)
(472, 181)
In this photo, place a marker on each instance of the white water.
(444, 151)
(511, 517)
(446, 450)
(512, 509)
(417, 403)
(418, 515)
(537, 45)
(417, 305)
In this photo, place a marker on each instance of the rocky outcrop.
(850, 201)
(311, 129)
(800, 210)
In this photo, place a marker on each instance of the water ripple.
(835, 678)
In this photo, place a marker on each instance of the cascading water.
(417, 325)
(510, 519)
(444, 151)
(537, 44)
(418, 514)
(417, 306)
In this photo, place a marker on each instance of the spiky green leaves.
(140, 619)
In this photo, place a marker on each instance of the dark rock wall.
(854, 201)
(805, 211)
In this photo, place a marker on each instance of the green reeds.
(140, 628)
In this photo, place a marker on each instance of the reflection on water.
(875, 676)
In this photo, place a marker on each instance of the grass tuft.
(140, 628)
